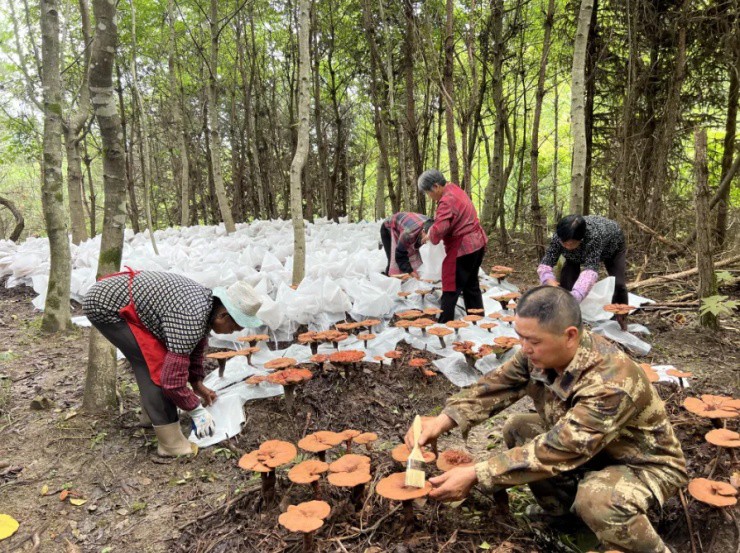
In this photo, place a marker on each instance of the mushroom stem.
(316, 489)
(408, 512)
(322, 456)
(268, 488)
(289, 390)
(307, 542)
(365, 343)
(314, 348)
(249, 358)
(221, 367)
(356, 496)
(503, 303)
(442, 342)
(349, 445)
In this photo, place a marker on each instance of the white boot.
(172, 442)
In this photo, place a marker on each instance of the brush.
(415, 475)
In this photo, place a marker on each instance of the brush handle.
(416, 429)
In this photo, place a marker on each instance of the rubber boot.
(172, 442)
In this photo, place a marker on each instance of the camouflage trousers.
(612, 501)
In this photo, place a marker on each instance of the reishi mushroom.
(320, 442)
(401, 454)
(366, 338)
(305, 518)
(421, 364)
(679, 374)
(713, 492)
(221, 357)
(366, 439)
(289, 379)
(394, 487)
(457, 325)
(270, 455)
(652, 376)
(716, 408)
(347, 358)
(309, 339)
(309, 472)
(472, 319)
(252, 339)
(351, 471)
(452, 458)
(422, 323)
(280, 363)
(440, 332)
(488, 326)
(393, 355)
(349, 435)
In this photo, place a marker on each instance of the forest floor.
(135, 501)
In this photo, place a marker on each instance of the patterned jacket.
(602, 410)
(175, 309)
(405, 228)
(602, 241)
(456, 217)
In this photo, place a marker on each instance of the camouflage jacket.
(601, 410)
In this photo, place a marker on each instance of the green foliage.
(724, 277)
(718, 305)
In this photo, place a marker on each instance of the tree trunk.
(411, 126)
(448, 92)
(728, 145)
(301, 151)
(539, 220)
(177, 123)
(56, 309)
(146, 169)
(72, 128)
(577, 107)
(214, 151)
(707, 279)
(128, 151)
(100, 380)
(592, 52)
(496, 170)
(380, 111)
(19, 222)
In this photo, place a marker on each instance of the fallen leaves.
(8, 526)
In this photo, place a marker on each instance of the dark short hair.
(572, 227)
(552, 306)
(429, 178)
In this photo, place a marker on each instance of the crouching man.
(600, 443)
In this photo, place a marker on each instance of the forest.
(266, 141)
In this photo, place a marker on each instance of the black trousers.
(385, 238)
(466, 283)
(616, 267)
(159, 408)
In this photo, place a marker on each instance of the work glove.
(202, 422)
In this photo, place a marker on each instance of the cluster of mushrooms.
(347, 470)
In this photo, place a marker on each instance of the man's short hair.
(571, 227)
(429, 178)
(552, 306)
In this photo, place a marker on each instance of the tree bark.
(17, 215)
(146, 169)
(539, 220)
(728, 145)
(72, 127)
(177, 119)
(129, 155)
(577, 107)
(214, 150)
(411, 126)
(707, 279)
(592, 52)
(448, 92)
(301, 152)
(56, 309)
(100, 380)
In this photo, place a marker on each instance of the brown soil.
(136, 501)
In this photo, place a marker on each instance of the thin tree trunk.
(72, 128)
(100, 381)
(146, 169)
(728, 145)
(177, 119)
(577, 107)
(448, 92)
(590, 76)
(556, 156)
(496, 181)
(93, 197)
(411, 126)
(704, 262)
(538, 217)
(56, 309)
(128, 150)
(19, 222)
(214, 150)
(301, 152)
